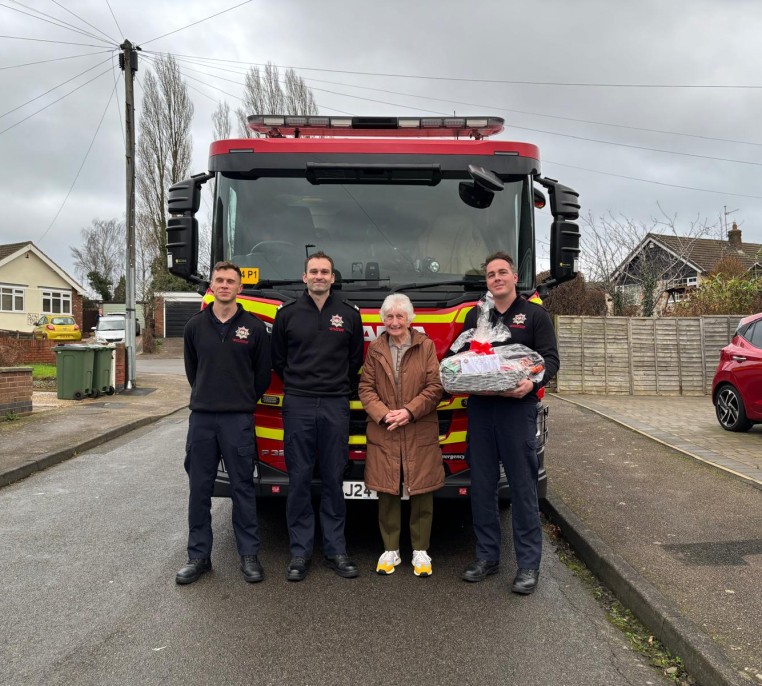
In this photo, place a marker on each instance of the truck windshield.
(377, 234)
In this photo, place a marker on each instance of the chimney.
(734, 238)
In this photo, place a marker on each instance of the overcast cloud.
(681, 43)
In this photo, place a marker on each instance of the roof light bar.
(371, 127)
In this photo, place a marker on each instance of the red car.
(737, 384)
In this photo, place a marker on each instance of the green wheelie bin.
(74, 371)
(102, 358)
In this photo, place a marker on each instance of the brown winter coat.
(416, 444)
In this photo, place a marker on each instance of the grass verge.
(43, 371)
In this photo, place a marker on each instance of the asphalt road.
(88, 553)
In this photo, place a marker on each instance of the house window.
(56, 302)
(11, 299)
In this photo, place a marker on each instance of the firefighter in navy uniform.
(502, 429)
(227, 362)
(317, 349)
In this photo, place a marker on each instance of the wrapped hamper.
(486, 368)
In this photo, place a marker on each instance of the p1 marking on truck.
(402, 204)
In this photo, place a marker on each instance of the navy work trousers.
(229, 436)
(504, 430)
(316, 428)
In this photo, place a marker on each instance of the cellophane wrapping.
(486, 369)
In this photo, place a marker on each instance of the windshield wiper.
(479, 284)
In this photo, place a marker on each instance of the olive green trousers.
(390, 520)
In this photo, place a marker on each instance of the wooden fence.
(641, 355)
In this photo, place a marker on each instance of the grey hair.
(398, 301)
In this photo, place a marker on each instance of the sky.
(649, 109)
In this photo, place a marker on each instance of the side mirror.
(182, 246)
(564, 250)
(182, 227)
(185, 196)
(564, 201)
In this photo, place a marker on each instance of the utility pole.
(128, 61)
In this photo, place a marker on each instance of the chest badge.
(242, 332)
(336, 321)
(520, 319)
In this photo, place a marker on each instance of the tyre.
(78, 395)
(110, 391)
(731, 414)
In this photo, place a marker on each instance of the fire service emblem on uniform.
(242, 332)
(520, 319)
(337, 321)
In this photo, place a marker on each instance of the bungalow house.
(31, 285)
(674, 265)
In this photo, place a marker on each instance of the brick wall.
(15, 390)
(15, 351)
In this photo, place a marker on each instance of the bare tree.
(264, 94)
(163, 158)
(630, 270)
(102, 251)
(221, 121)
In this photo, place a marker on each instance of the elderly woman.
(400, 389)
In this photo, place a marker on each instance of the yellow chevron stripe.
(277, 435)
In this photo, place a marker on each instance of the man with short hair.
(227, 362)
(502, 429)
(317, 349)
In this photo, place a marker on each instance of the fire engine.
(407, 205)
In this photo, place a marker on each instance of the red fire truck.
(403, 205)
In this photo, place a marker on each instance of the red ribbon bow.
(481, 348)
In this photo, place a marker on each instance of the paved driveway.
(687, 423)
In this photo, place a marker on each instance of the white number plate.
(356, 490)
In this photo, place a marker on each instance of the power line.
(534, 114)
(246, 2)
(51, 20)
(89, 148)
(151, 56)
(57, 42)
(505, 109)
(499, 81)
(21, 121)
(525, 128)
(658, 183)
(103, 33)
(119, 28)
(55, 59)
(550, 162)
(118, 104)
(639, 147)
(37, 97)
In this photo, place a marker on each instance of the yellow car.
(56, 327)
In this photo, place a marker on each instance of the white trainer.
(388, 561)
(421, 563)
